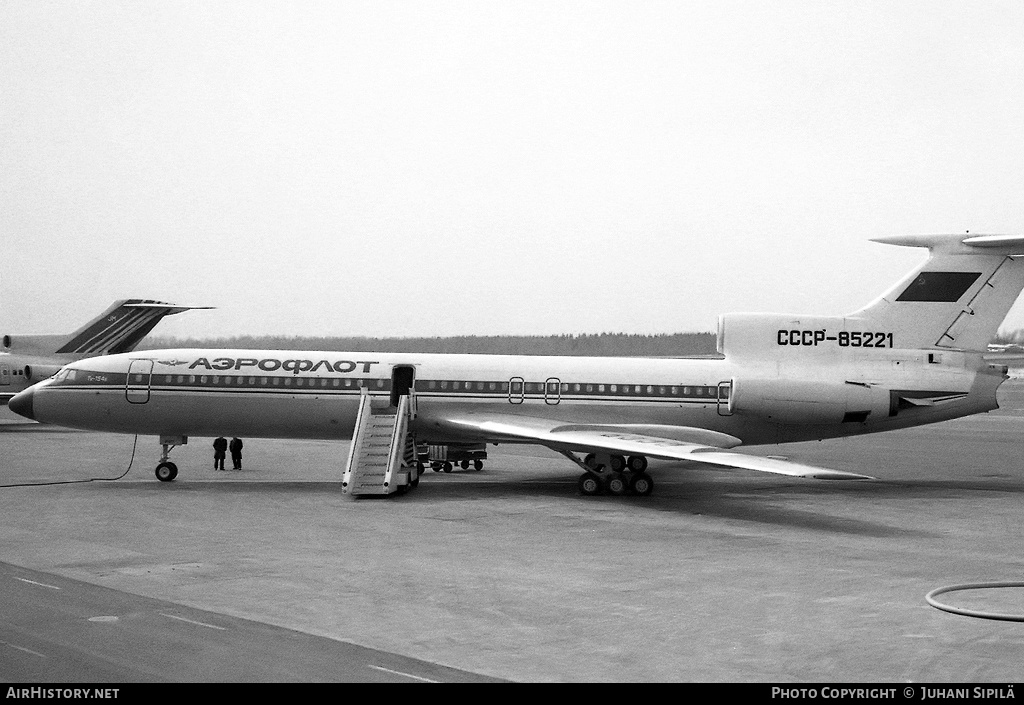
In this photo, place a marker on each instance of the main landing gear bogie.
(618, 484)
(617, 463)
(626, 476)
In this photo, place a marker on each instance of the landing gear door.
(140, 374)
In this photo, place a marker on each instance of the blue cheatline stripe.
(315, 385)
(355, 391)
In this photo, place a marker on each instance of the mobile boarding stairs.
(382, 458)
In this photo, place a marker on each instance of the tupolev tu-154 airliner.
(913, 356)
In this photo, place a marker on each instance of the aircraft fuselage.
(301, 394)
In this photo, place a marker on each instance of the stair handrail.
(412, 403)
(398, 438)
(364, 402)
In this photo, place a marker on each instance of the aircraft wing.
(666, 442)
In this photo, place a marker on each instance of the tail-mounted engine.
(37, 373)
(792, 401)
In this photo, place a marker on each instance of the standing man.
(236, 453)
(219, 446)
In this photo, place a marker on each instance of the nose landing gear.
(166, 470)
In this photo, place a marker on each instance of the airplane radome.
(913, 356)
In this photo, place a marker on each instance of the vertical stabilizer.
(120, 328)
(957, 298)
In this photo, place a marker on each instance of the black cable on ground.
(88, 479)
(930, 597)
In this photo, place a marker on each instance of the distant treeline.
(597, 344)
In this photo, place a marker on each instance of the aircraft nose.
(21, 403)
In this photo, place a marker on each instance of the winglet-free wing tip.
(839, 475)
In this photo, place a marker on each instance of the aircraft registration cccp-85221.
(913, 356)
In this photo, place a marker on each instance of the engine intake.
(37, 373)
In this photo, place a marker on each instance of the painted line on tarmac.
(400, 673)
(22, 648)
(33, 582)
(192, 621)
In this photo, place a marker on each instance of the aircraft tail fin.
(957, 298)
(119, 328)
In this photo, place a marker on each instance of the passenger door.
(140, 374)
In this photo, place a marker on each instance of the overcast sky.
(436, 168)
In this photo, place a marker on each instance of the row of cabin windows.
(578, 388)
(453, 385)
(260, 381)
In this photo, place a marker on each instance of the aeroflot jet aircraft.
(28, 359)
(913, 356)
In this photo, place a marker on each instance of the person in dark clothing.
(236, 453)
(219, 446)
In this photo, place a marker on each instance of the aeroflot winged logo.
(294, 366)
(172, 363)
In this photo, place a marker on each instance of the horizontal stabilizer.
(959, 243)
(170, 308)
